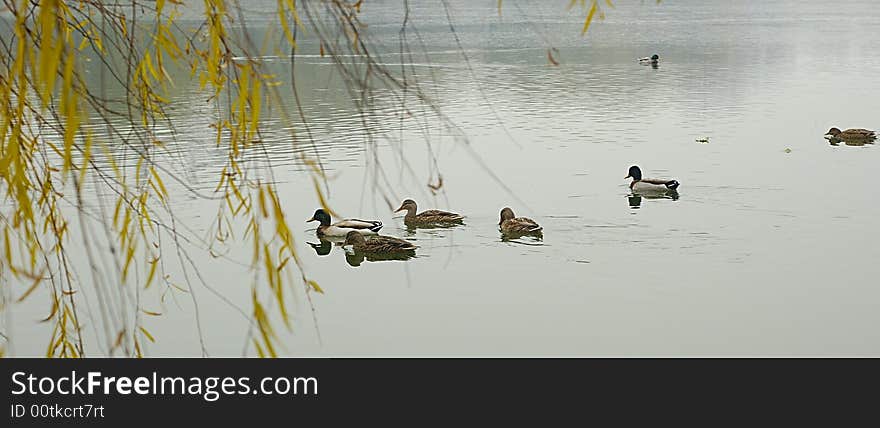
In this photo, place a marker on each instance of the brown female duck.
(378, 244)
(511, 224)
(852, 134)
(427, 217)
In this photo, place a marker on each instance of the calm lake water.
(771, 248)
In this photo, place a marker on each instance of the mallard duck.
(653, 59)
(649, 185)
(341, 228)
(378, 244)
(852, 134)
(512, 224)
(428, 216)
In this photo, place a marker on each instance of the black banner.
(115, 392)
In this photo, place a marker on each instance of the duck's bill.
(311, 220)
(399, 210)
(628, 176)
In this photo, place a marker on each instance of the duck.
(511, 224)
(377, 244)
(343, 227)
(427, 217)
(850, 134)
(649, 185)
(653, 59)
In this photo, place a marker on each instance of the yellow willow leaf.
(261, 194)
(589, 17)
(164, 191)
(83, 43)
(260, 352)
(315, 286)
(292, 6)
(30, 289)
(608, 2)
(98, 44)
(152, 273)
(137, 349)
(129, 256)
(283, 263)
(147, 333)
(499, 7)
(52, 312)
(7, 246)
(148, 64)
(116, 211)
(282, 18)
(151, 313)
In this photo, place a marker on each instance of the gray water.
(770, 248)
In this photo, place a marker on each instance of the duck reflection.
(523, 238)
(635, 199)
(323, 248)
(355, 258)
(856, 143)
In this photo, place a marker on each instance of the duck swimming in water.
(852, 134)
(511, 224)
(653, 59)
(427, 217)
(343, 227)
(649, 185)
(378, 244)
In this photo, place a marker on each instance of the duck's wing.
(524, 224)
(356, 224)
(670, 184)
(388, 243)
(439, 215)
(860, 132)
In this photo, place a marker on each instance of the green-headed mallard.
(378, 244)
(511, 224)
(852, 134)
(653, 59)
(343, 227)
(427, 217)
(649, 185)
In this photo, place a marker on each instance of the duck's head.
(321, 216)
(409, 205)
(354, 238)
(655, 57)
(635, 173)
(506, 214)
(833, 132)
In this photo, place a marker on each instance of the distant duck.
(649, 185)
(378, 244)
(342, 228)
(653, 59)
(852, 134)
(428, 217)
(511, 224)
